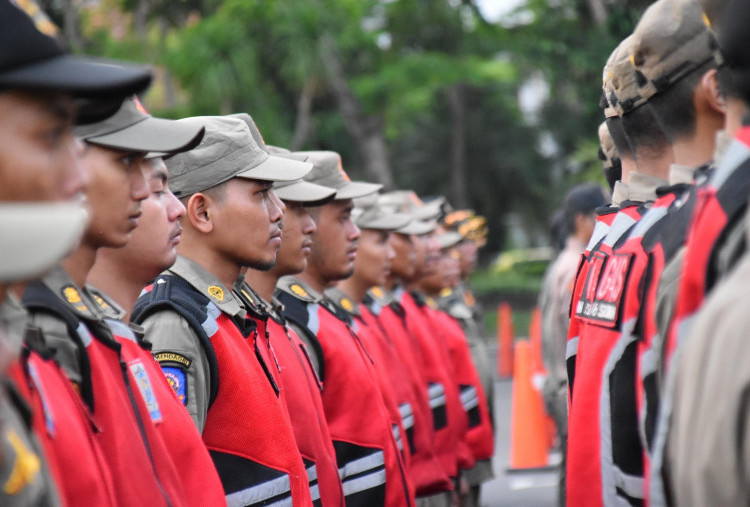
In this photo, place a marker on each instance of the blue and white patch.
(177, 378)
(146, 389)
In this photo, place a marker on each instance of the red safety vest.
(161, 405)
(590, 477)
(289, 362)
(719, 203)
(367, 454)
(442, 388)
(142, 471)
(247, 431)
(66, 431)
(428, 474)
(479, 436)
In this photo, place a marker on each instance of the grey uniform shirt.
(176, 344)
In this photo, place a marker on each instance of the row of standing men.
(655, 380)
(191, 317)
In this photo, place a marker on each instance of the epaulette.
(106, 305)
(380, 296)
(342, 302)
(250, 300)
(298, 289)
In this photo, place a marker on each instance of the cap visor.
(390, 222)
(80, 76)
(418, 227)
(305, 192)
(277, 169)
(355, 189)
(152, 135)
(37, 236)
(429, 211)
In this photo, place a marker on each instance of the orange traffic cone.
(528, 431)
(504, 341)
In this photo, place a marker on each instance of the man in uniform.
(579, 209)
(199, 329)
(360, 434)
(39, 163)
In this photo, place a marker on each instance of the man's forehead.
(59, 105)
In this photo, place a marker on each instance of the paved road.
(538, 489)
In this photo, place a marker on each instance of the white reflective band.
(571, 348)
(210, 326)
(408, 422)
(437, 402)
(119, 328)
(469, 404)
(312, 473)
(649, 363)
(314, 492)
(620, 226)
(647, 221)
(363, 483)
(632, 485)
(261, 492)
(83, 334)
(397, 436)
(600, 230)
(434, 390)
(313, 323)
(732, 159)
(469, 397)
(364, 464)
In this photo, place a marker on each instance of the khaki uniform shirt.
(170, 333)
(708, 440)
(620, 193)
(642, 187)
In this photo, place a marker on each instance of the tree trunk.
(303, 123)
(598, 11)
(140, 17)
(457, 104)
(367, 132)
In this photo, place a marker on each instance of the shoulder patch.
(298, 290)
(172, 357)
(73, 297)
(377, 292)
(216, 292)
(447, 291)
(177, 380)
(347, 304)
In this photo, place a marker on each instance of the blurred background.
(492, 103)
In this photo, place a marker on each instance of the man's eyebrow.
(159, 174)
(59, 109)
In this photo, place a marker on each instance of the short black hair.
(674, 107)
(580, 200)
(616, 130)
(644, 132)
(727, 84)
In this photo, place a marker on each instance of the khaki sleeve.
(56, 336)
(666, 299)
(178, 350)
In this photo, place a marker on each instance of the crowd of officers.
(191, 317)
(657, 376)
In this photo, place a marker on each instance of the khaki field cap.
(671, 40)
(227, 150)
(36, 235)
(424, 217)
(328, 171)
(131, 128)
(369, 213)
(448, 239)
(619, 82)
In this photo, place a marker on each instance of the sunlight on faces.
(405, 259)
(334, 245)
(374, 256)
(247, 223)
(296, 239)
(39, 160)
(115, 192)
(153, 244)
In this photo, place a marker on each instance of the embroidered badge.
(172, 357)
(216, 292)
(73, 297)
(26, 465)
(447, 291)
(297, 289)
(347, 304)
(102, 304)
(377, 292)
(177, 379)
(147, 391)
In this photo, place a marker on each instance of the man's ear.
(200, 209)
(708, 87)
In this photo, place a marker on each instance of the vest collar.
(208, 285)
(620, 193)
(643, 187)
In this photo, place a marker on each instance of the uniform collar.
(254, 303)
(299, 289)
(340, 299)
(62, 285)
(208, 285)
(679, 173)
(107, 306)
(620, 193)
(643, 187)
